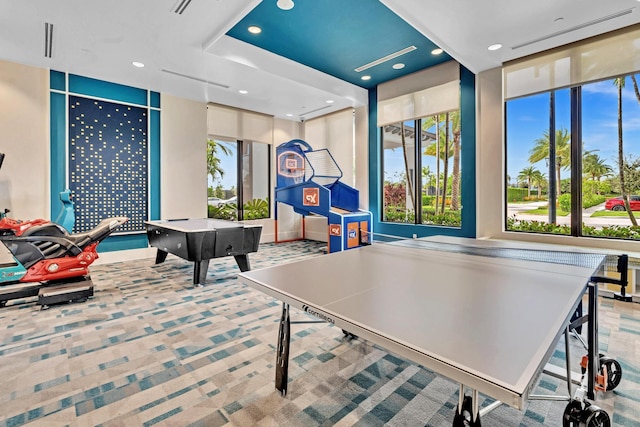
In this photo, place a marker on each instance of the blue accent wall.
(103, 96)
(468, 169)
(375, 163)
(468, 152)
(154, 100)
(58, 80)
(112, 91)
(58, 144)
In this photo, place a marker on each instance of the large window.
(238, 179)
(573, 160)
(584, 99)
(421, 170)
(419, 121)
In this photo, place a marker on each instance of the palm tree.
(213, 161)
(427, 176)
(594, 166)
(619, 83)
(540, 151)
(539, 179)
(528, 174)
(446, 162)
(445, 151)
(456, 134)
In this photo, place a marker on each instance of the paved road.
(520, 211)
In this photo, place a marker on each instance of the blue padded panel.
(108, 162)
(101, 89)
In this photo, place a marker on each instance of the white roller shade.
(257, 127)
(236, 124)
(395, 110)
(425, 93)
(607, 56)
(437, 99)
(223, 122)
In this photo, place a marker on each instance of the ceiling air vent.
(48, 40)
(180, 6)
(386, 58)
(174, 73)
(306, 113)
(577, 27)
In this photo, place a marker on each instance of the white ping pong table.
(487, 317)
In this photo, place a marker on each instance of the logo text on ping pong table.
(317, 314)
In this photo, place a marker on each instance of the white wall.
(489, 153)
(183, 158)
(24, 138)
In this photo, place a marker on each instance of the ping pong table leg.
(592, 340)
(282, 356)
(467, 412)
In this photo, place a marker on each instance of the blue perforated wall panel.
(108, 162)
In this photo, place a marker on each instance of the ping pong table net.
(597, 261)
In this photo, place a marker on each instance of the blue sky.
(527, 120)
(228, 163)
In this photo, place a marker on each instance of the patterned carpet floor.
(150, 349)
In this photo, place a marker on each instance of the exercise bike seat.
(99, 232)
(67, 216)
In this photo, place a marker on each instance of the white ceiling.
(188, 55)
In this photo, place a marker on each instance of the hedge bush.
(516, 194)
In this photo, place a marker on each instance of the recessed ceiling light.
(366, 77)
(137, 64)
(289, 115)
(329, 101)
(495, 46)
(398, 66)
(436, 51)
(242, 91)
(285, 4)
(254, 29)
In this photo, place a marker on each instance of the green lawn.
(610, 213)
(544, 211)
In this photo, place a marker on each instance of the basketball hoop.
(291, 165)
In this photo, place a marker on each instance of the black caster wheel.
(464, 418)
(571, 414)
(613, 369)
(349, 335)
(591, 416)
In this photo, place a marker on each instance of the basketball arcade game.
(309, 181)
